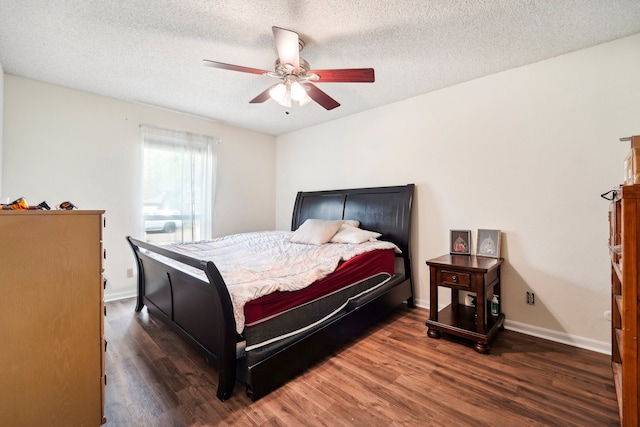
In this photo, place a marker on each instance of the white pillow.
(353, 222)
(316, 231)
(350, 234)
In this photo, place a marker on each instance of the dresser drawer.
(455, 278)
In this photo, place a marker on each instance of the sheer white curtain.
(178, 184)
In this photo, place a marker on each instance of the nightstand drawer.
(454, 278)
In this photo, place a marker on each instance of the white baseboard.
(114, 296)
(547, 334)
(561, 337)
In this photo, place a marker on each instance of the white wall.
(527, 151)
(62, 144)
(1, 127)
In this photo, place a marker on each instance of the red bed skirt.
(347, 273)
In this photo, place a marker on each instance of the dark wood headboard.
(386, 210)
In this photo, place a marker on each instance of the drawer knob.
(454, 278)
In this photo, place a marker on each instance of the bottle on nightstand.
(495, 306)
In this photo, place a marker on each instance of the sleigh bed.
(270, 339)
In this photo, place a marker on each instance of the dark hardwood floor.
(393, 376)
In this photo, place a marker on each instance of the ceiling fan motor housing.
(286, 69)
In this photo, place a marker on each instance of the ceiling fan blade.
(287, 44)
(347, 75)
(320, 97)
(263, 95)
(231, 67)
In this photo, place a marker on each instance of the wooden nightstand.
(479, 275)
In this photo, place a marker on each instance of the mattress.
(347, 273)
(282, 317)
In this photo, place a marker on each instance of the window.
(178, 185)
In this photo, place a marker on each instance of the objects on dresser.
(632, 161)
(476, 274)
(66, 206)
(21, 204)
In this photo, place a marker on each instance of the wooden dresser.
(51, 318)
(624, 243)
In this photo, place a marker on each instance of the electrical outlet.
(531, 298)
(129, 272)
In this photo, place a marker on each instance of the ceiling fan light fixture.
(287, 92)
(286, 100)
(281, 93)
(297, 91)
(278, 92)
(305, 100)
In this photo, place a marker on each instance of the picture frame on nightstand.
(460, 243)
(488, 242)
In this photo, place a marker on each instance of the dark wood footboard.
(200, 311)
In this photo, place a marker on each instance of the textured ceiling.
(151, 52)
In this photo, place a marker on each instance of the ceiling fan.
(295, 75)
